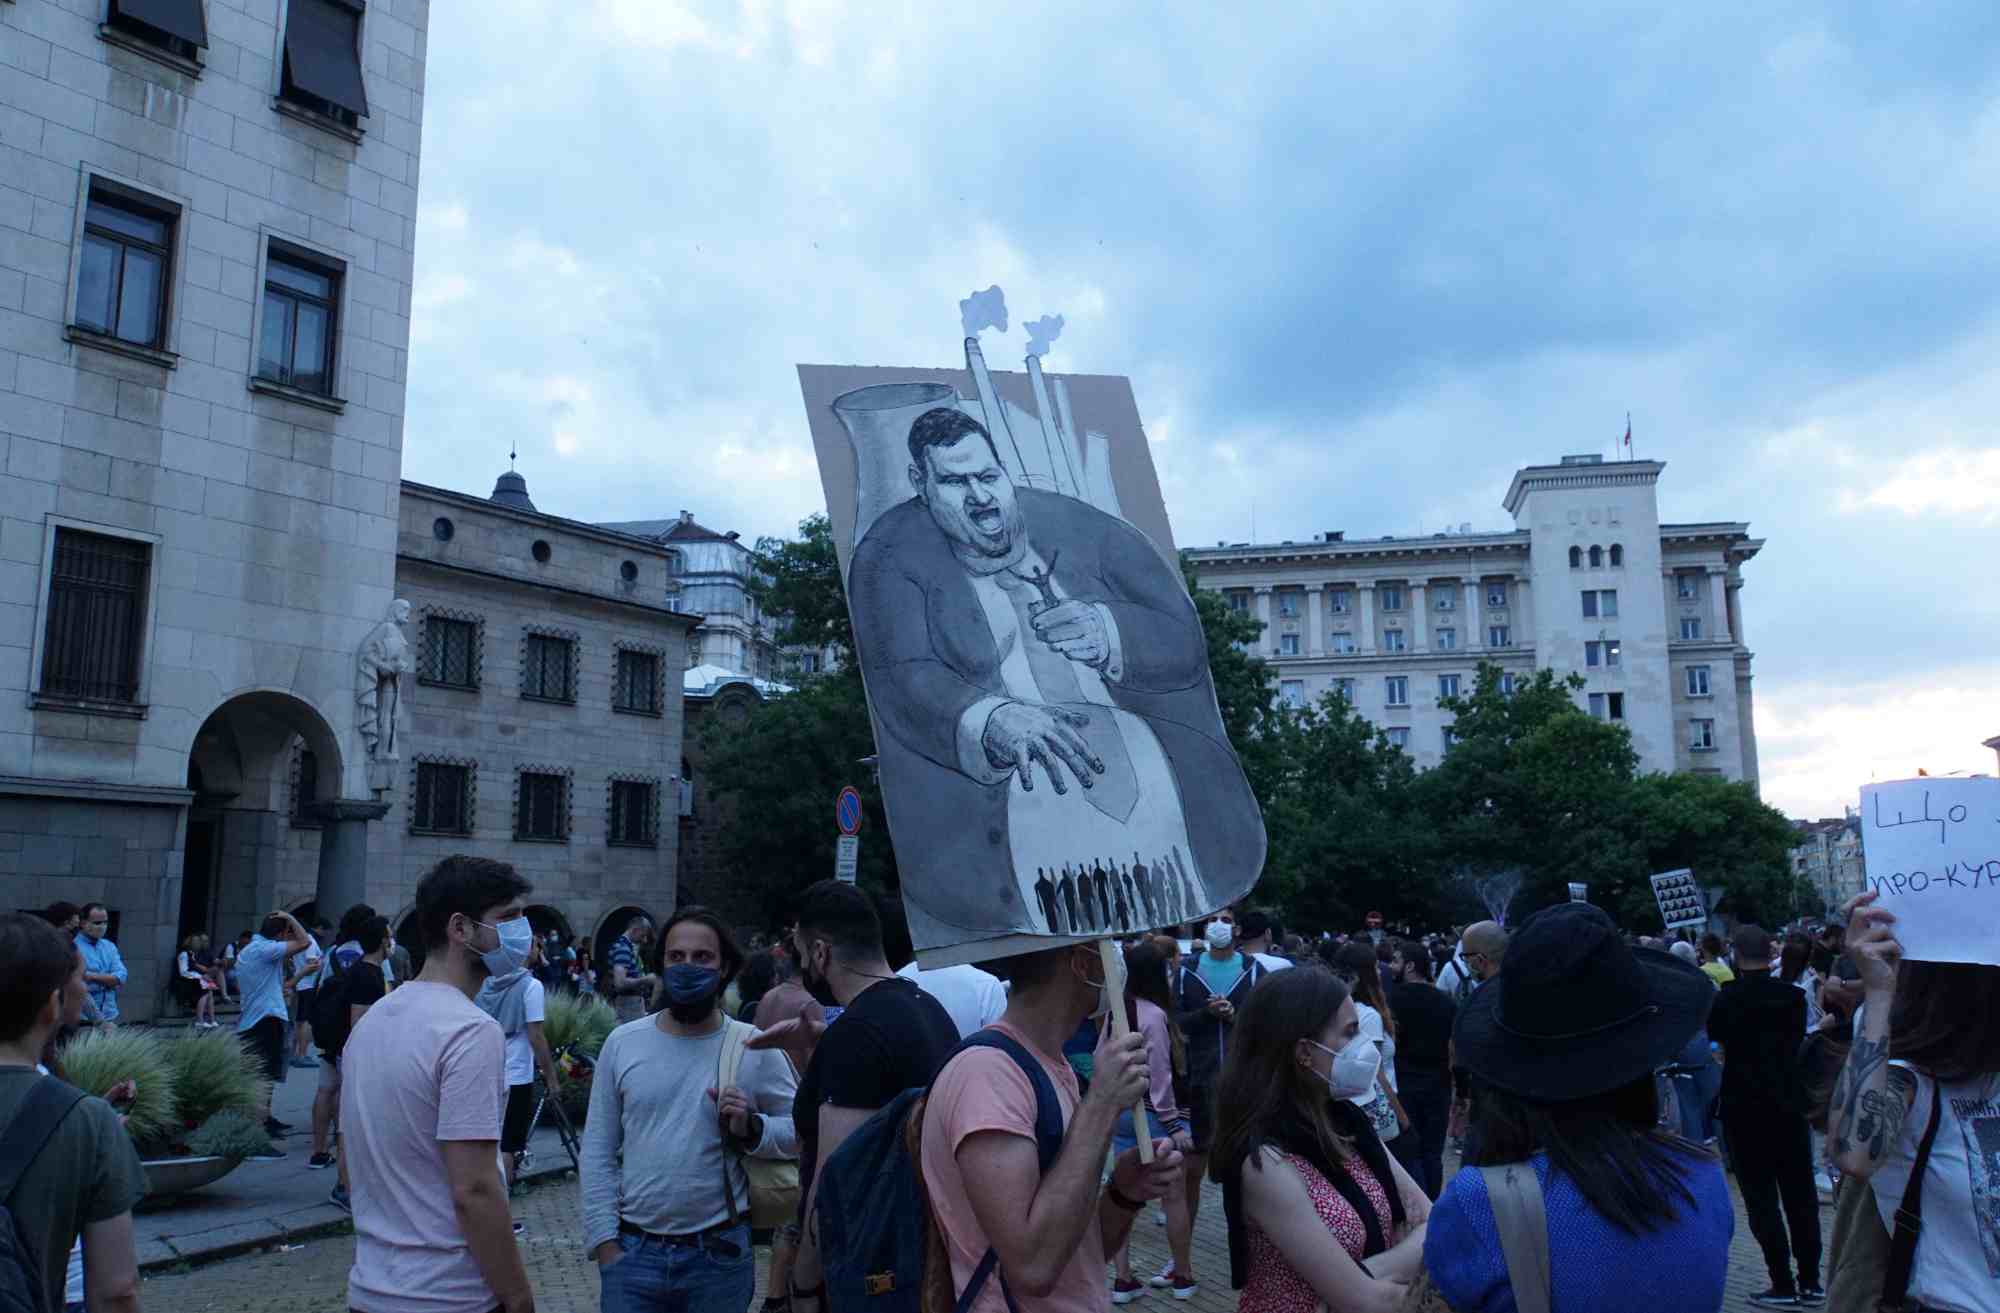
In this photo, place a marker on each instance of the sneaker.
(275, 1128)
(1127, 1290)
(519, 1227)
(1184, 1286)
(270, 1155)
(1811, 1294)
(341, 1200)
(1776, 1298)
(320, 1161)
(1164, 1277)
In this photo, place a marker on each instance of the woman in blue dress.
(1562, 1046)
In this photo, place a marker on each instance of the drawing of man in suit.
(1043, 682)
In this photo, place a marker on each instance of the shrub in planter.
(229, 1135)
(100, 1059)
(213, 1075)
(573, 1020)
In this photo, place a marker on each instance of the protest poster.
(1053, 762)
(1930, 847)
(1680, 898)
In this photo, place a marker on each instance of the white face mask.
(1354, 1068)
(1219, 935)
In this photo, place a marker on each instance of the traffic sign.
(846, 857)
(847, 810)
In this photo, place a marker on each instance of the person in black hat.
(1563, 1047)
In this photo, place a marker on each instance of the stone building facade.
(1828, 857)
(1587, 582)
(207, 212)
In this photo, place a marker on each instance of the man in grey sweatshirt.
(664, 1140)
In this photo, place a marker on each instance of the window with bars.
(634, 810)
(637, 687)
(541, 806)
(548, 668)
(451, 651)
(125, 268)
(93, 645)
(442, 798)
(301, 307)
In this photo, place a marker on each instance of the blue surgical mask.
(517, 939)
(688, 984)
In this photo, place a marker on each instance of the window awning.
(323, 46)
(181, 18)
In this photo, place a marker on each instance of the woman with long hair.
(1563, 1046)
(1357, 966)
(1924, 1067)
(1795, 969)
(1319, 1212)
(193, 985)
(1150, 1011)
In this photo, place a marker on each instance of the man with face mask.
(1210, 987)
(666, 1200)
(519, 1002)
(421, 1116)
(103, 969)
(890, 1036)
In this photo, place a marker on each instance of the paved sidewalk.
(262, 1204)
(313, 1278)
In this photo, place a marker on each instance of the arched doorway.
(610, 928)
(239, 860)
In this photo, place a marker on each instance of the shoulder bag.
(774, 1182)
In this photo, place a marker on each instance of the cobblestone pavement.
(313, 1277)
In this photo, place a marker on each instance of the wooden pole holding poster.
(1114, 994)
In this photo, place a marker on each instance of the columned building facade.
(1588, 581)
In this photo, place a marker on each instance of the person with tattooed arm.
(1925, 1066)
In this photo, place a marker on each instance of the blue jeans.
(655, 1277)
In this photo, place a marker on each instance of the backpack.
(878, 1245)
(41, 1111)
(332, 1020)
(774, 1182)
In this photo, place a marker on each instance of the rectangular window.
(1390, 596)
(1447, 598)
(443, 803)
(125, 268)
(1396, 690)
(541, 807)
(809, 663)
(1685, 586)
(1239, 602)
(548, 668)
(1345, 687)
(1615, 705)
(451, 652)
(1597, 706)
(1292, 692)
(1399, 737)
(1393, 640)
(638, 684)
(1448, 738)
(1593, 654)
(1288, 644)
(1447, 640)
(635, 813)
(301, 306)
(1340, 600)
(322, 62)
(1499, 636)
(1288, 605)
(1690, 628)
(1496, 596)
(1607, 602)
(96, 632)
(1341, 644)
(1701, 735)
(1613, 650)
(1507, 683)
(175, 26)
(1447, 686)
(1697, 681)
(1590, 603)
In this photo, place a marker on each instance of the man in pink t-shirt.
(1051, 1232)
(423, 1077)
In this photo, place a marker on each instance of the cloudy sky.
(1360, 263)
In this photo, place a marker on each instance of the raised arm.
(1871, 1100)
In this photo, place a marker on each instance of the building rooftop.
(705, 681)
(682, 529)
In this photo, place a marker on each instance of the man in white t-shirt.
(974, 998)
(421, 1117)
(519, 1002)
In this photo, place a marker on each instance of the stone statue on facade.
(384, 657)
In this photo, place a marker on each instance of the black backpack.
(41, 1111)
(331, 1019)
(874, 1218)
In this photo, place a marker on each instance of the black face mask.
(817, 986)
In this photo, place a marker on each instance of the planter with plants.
(190, 1104)
(576, 1027)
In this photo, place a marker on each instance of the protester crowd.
(944, 1138)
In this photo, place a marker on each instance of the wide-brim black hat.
(1576, 1012)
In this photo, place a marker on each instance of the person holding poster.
(1919, 1099)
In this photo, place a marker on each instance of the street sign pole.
(847, 847)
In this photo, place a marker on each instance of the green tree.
(1729, 837)
(799, 585)
(1242, 679)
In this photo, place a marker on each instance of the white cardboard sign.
(1680, 899)
(1931, 849)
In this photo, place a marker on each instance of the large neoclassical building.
(1587, 582)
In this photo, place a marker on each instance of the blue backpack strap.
(1048, 1143)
